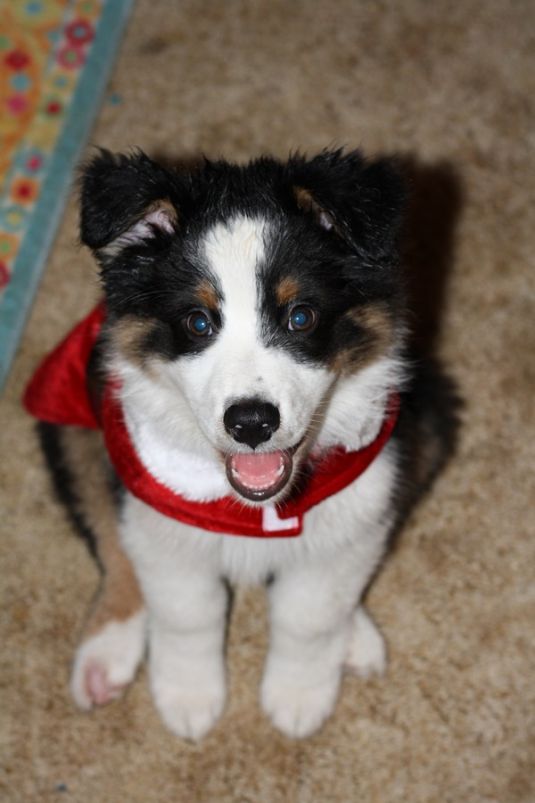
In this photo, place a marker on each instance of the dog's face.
(249, 291)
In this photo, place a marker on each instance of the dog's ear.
(363, 202)
(125, 200)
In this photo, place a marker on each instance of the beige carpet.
(451, 85)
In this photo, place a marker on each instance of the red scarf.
(58, 393)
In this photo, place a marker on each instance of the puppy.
(240, 409)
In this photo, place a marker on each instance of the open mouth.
(258, 477)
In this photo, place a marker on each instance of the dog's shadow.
(435, 204)
(436, 199)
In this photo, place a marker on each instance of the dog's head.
(248, 293)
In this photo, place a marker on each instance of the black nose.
(251, 421)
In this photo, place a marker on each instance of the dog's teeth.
(259, 476)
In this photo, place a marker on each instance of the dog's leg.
(366, 653)
(186, 644)
(114, 636)
(314, 620)
(186, 603)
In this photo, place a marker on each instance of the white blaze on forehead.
(234, 250)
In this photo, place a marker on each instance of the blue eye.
(199, 324)
(301, 319)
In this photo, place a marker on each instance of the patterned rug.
(55, 58)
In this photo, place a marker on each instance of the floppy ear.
(125, 200)
(361, 201)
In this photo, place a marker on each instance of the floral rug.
(55, 58)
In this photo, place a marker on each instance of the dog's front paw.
(366, 653)
(298, 710)
(190, 709)
(106, 662)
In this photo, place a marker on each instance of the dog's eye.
(199, 324)
(302, 319)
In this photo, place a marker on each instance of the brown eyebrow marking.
(377, 334)
(287, 290)
(207, 295)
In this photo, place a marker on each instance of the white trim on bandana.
(271, 522)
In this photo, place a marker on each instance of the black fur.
(427, 432)
(64, 483)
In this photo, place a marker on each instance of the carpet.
(451, 88)
(55, 57)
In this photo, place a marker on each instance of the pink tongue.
(258, 471)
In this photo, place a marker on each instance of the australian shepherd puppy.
(250, 416)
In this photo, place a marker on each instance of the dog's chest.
(357, 519)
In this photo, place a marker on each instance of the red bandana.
(58, 394)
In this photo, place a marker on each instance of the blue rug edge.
(48, 212)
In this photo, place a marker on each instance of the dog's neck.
(170, 443)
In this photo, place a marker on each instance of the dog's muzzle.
(256, 476)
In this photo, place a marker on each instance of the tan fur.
(304, 198)
(207, 295)
(164, 205)
(128, 334)
(119, 596)
(378, 333)
(287, 291)
(307, 202)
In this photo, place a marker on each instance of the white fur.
(186, 644)
(174, 414)
(366, 654)
(115, 651)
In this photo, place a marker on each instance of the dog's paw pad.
(190, 712)
(107, 661)
(366, 655)
(97, 686)
(298, 711)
